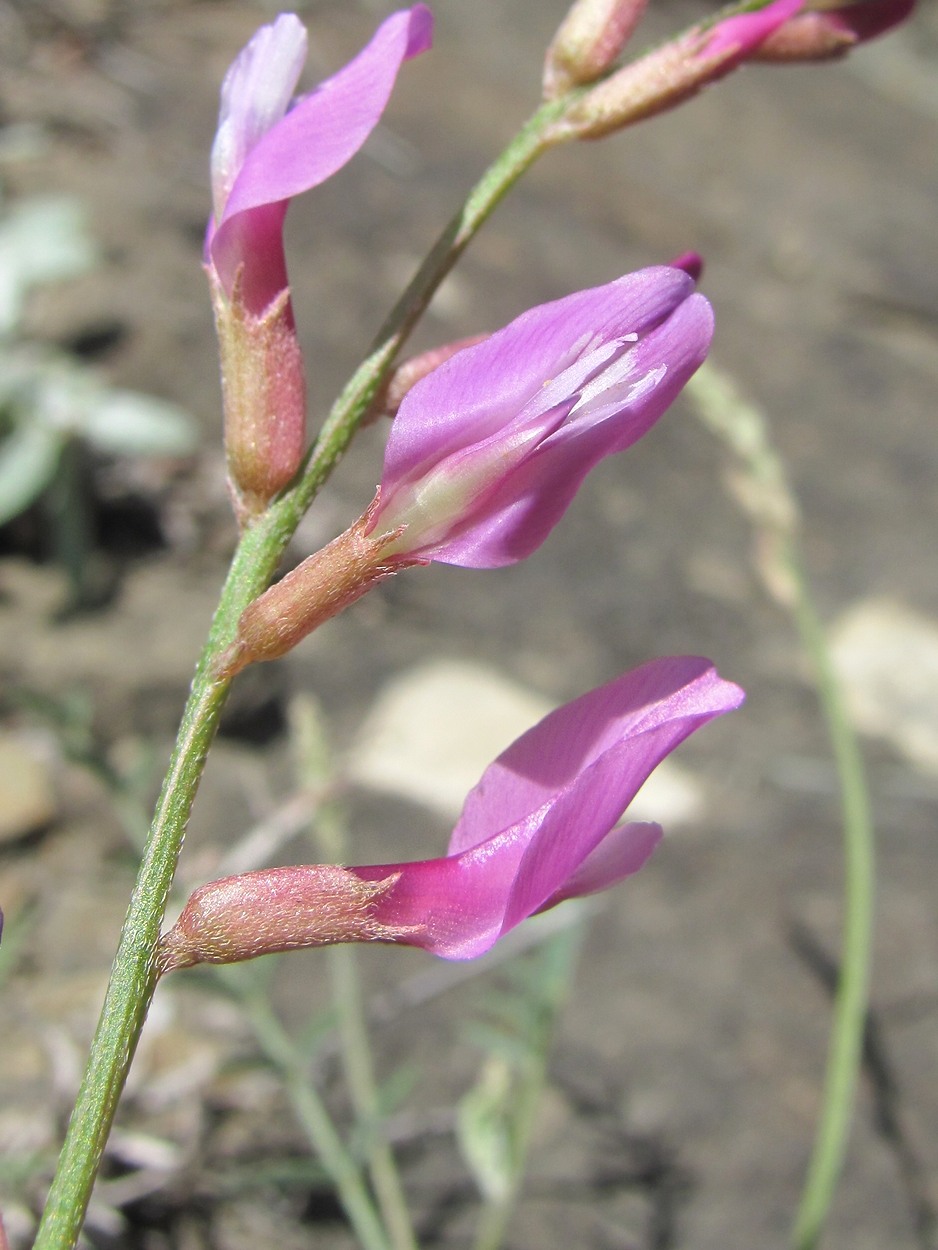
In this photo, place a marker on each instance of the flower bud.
(269, 148)
(673, 73)
(691, 263)
(541, 826)
(488, 450)
(588, 41)
(275, 909)
(821, 36)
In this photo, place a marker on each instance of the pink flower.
(541, 826)
(267, 151)
(487, 452)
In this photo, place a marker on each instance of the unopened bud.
(312, 593)
(588, 42)
(671, 74)
(275, 909)
(823, 35)
(657, 82)
(264, 393)
(807, 37)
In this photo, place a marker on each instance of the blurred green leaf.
(316, 1031)
(484, 1131)
(126, 423)
(41, 240)
(510, 1047)
(29, 457)
(396, 1089)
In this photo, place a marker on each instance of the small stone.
(27, 795)
(434, 730)
(887, 657)
(672, 796)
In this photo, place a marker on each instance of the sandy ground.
(688, 1066)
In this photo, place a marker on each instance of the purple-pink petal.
(516, 517)
(535, 828)
(487, 452)
(478, 391)
(622, 852)
(325, 128)
(736, 37)
(314, 139)
(870, 18)
(255, 95)
(554, 752)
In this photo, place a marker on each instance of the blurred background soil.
(685, 1081)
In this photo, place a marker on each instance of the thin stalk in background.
(539, 985)
(764, 492)
(315, 771)
(358, 1066)
(68, 505)
(315, 1119)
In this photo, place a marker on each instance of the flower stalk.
(259, 551)
(316, 590)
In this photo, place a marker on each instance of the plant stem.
(845, 1051)
(133, 976)
(768, 498)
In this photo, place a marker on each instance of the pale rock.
(887, 657)
(27, 794)
(434, 729)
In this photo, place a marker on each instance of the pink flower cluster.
(486, 452)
